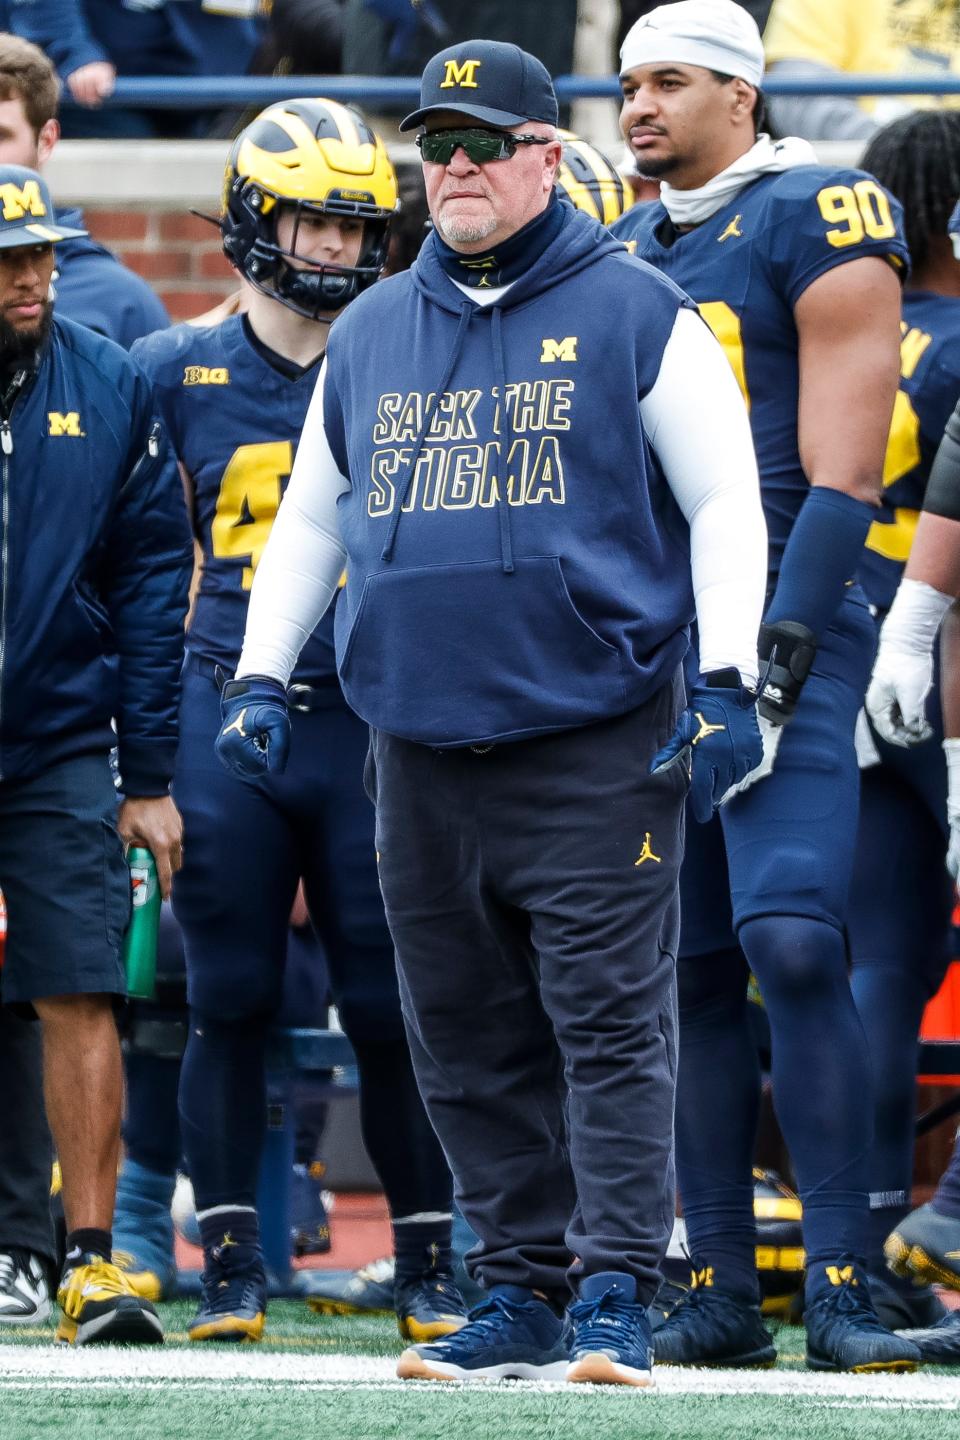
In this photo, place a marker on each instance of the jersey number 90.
(854, 212)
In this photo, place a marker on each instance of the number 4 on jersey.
(247, 505)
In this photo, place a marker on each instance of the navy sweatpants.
(531, 889)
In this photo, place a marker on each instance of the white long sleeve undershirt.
(697, 424)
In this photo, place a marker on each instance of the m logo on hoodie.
(553, 350)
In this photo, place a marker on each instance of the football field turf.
(319, 1378)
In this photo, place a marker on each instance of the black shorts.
(65, 881)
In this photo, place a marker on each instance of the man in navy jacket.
(95, 562)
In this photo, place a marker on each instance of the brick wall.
(177, 253)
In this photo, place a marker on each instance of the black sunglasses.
(479, 146)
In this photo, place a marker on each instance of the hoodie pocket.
(451, 654)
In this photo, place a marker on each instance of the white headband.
(715, 34)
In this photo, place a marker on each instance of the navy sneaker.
(926, 1246)
(233, 1294)
(938, 1344)
(510, 1336)
(428, 1306)
(712, 1326)
(843, 1332)
(611, 1342)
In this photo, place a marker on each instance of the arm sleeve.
(711, 469)
(60, 28)
(942, 495)
(303, 558)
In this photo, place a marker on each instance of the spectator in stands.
(821, 38)
(94, 289)
(397, 37)
(306, 36)
(172, 38)
(61, 21)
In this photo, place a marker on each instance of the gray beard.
(458, 231)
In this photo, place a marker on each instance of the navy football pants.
(531, 889)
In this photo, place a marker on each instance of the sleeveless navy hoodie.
(516, 563)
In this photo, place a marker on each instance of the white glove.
(951, 749)
(901, 683)
(770, 735)
(903, 673)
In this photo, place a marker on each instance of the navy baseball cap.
(488, 80)
(27, 216)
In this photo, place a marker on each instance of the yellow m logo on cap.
(17, 202)
(463, 75)
(565, 349)
(68, 424)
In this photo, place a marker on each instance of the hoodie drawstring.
(506, 440)
(466, 314)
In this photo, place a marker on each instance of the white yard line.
(246, 1368)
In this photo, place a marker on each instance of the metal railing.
(373, 91)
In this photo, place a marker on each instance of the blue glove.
(717, 740)
(254, 738)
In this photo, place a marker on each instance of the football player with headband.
(797, 269)
(308, 196)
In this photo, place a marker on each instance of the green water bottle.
(140, 945)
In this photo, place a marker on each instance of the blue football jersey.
(746, 267)
(234, 422)
(929, 390)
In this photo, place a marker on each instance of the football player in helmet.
(308, 196)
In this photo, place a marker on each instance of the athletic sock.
(89, 1242)
(421, 1243)
(235, 1225)
(718, 1094)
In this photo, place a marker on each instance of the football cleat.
(143, 1231)
(369, 1291)
(843, 1332)
(938, 1344)
(428, 1306)
(714, 1327)
(926, 1246)
(233, 1294)
(24, 1289)
(99, 1307)
(510, 1336)
(611, 1341)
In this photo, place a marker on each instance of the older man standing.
(500, 445)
